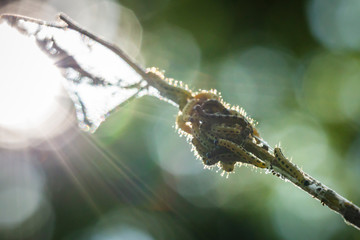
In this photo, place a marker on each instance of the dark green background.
(124, 182)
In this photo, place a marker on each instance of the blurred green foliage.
(144, 183)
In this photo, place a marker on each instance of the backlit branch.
(221, 135)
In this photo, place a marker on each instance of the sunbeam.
(75, 179)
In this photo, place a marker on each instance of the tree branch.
(222, 135)
(349, 211)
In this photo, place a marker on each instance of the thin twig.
(72, 25)
(152, 80)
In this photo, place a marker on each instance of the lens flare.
(30, 89)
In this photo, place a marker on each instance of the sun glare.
(30, 85)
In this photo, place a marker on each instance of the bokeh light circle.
(331, 86)
(335, 25)
(258, 78)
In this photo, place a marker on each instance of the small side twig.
(72, 25)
